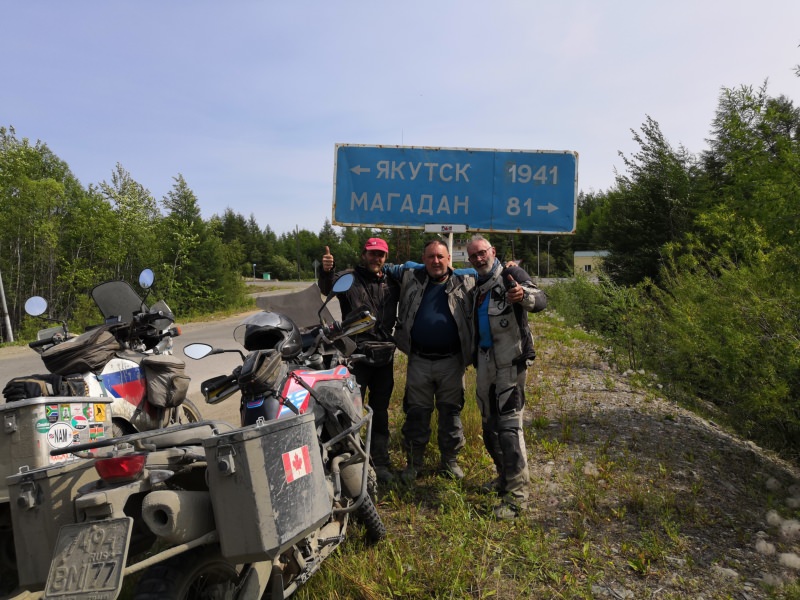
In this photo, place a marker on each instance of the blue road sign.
(516, 191)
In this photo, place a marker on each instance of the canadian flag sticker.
(296, 463)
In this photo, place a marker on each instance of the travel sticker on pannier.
(60, 435)
(96, 431)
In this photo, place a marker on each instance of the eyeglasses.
(479, 254)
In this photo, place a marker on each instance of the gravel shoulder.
(676, 506)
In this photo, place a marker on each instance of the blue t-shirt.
(484, 333)
(435, 329)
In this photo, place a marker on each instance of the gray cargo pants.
(433, 384)
(501, 399)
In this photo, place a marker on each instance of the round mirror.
(343, 283)
(197, 351)
(146, 278)
(35, 306)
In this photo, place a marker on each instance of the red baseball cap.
(376, 244)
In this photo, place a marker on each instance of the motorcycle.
(209, 511)
(127, 358)
(114, 379)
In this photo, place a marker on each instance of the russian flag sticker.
(296, 463)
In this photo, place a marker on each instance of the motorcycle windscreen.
(117, 299)
(301, 307)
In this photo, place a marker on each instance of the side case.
(268, 487)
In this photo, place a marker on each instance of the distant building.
(588, 262)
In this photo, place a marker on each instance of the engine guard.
(353, 431)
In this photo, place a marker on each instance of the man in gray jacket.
(434, 328)
(503, 298)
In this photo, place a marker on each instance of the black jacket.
(379, 293)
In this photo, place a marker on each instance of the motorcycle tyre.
(367, 514)
(187, 412)
(184, 577)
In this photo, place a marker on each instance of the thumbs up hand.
(327, 260)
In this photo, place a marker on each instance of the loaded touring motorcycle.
(116, 378)
(210, 511)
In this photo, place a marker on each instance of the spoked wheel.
(201, 574)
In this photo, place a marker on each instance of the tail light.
(120, 468)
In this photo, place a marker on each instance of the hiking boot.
(506, 511)
(495, 486)
(410, 474)
(451, 469)
(416, 459)
(384, 474)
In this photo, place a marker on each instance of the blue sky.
(247, 99)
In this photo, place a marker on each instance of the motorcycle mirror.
(198, 351)
(35, 306)
(146, 278)
(344, 283)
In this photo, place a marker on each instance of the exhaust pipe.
(178, 516)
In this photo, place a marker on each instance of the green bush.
(728, 336)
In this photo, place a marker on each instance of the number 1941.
(527, 174)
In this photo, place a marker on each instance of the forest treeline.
(702, 279)
(700, 285)
(58, 239)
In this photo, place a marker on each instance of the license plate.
(89, 560)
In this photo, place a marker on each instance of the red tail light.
(120, 468)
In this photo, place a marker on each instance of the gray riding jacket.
(460, 299)
(512, 341)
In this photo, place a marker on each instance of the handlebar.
(338, 329)
(220, 387)
(44, 342)
(354, 318)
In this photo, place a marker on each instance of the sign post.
(512, 191)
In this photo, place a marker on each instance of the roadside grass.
(604, 514)
(616, 511)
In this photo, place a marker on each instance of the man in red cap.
(375, 375)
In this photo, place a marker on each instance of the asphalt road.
(21, 360)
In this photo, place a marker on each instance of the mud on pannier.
(90, 351)
(167, 382)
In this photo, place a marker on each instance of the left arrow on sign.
(358, 170)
